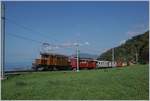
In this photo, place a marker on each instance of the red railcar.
(119, 64)
(83, 63)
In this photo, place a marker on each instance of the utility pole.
(136, 55)
(77, 49)
(2, 39)
(112, 57)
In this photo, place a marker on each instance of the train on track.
(51, 61)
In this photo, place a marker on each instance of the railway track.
(18, 72)
(25, 72)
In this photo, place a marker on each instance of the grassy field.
(115, 83)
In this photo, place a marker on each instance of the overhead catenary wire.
(39, 33)
(25, 38)
(26, 28)
(37, 41)
(33, 31)
(42, 42)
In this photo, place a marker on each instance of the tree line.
(134, 50)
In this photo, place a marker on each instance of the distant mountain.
(133, 50)
(86, 55)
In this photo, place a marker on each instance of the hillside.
(135, 50)
(130, 83)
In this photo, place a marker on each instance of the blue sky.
(102, 24)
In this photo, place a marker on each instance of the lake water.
(17, 66)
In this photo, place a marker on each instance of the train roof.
(54, 54)
(83, 58)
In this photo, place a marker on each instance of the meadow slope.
(114, 83)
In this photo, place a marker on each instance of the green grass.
(116, 83)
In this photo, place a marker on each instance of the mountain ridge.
(135, 50)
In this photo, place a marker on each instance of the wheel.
(40, 69)
(74, 69)
(55, 69)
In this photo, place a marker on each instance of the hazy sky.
(102, 25)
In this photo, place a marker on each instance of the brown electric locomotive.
(51, 61)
